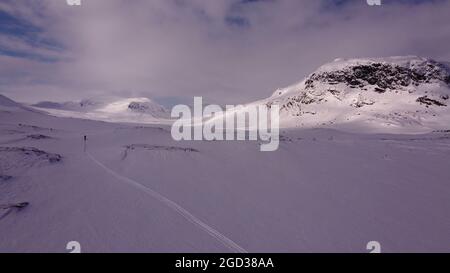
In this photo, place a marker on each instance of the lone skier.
(85, 140)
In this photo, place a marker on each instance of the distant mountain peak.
(147, 107)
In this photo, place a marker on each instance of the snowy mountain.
(381, 94)
(6, 102)
(120, 110)
(8, 106)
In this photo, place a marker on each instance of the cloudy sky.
(228, 51)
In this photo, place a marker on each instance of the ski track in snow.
(174, 206)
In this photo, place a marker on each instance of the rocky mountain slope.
(382, 94)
